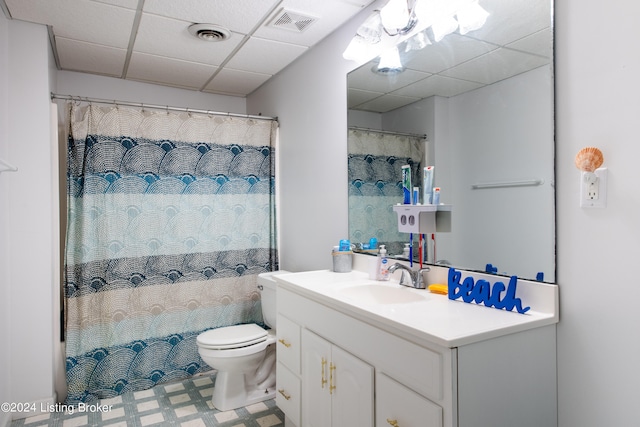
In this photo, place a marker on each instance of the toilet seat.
(232, 337)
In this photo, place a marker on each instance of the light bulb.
(395, 14)
(390, 61)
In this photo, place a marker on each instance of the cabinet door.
(316, 400)
(351, 385)
(399, 406)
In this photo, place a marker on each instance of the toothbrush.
(433, 237)
(410, 249)
(420, 251)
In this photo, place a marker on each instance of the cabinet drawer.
(398, 405)
(288, 393)
(288, 347)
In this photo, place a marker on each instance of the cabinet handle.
(332, 368)
(393, 423)
(284, 394)
(324, 378)
(284, 343)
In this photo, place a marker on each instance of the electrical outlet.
(593, 189)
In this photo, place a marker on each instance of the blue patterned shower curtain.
(171, 218)
(375, 184)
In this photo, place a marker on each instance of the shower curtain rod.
(157, 107)
(387, 132)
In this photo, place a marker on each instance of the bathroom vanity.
(357, 352)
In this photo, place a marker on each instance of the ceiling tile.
(237, 15)
(265, 56)
(83, 20)
(437, 86)
(235, 82)
(166, 71)
(495, 66)
(510, 20)
(540, 43)
(365, 79)
(328, 15)
(90, 58)
(130, 4)
(387, 103)
(168, 37)
(359, 3)
(356, 97)
(451, 50)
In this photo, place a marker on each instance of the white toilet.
(244, 355)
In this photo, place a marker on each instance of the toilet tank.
(267, 287)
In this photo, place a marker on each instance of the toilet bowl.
(244, 355)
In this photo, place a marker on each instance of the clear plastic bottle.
(405, 251)
(383, 264)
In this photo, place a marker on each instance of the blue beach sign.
(482, 292)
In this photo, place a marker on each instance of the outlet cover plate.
(593, 193)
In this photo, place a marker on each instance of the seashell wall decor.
(589, 159)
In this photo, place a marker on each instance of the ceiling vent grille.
(209, 32)
(292, 21)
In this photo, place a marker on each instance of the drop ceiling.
(149, 41)
(517, 37)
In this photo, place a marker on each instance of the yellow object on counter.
(439, 288)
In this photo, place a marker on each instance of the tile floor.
(186, 403)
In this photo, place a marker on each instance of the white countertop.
(427, 316)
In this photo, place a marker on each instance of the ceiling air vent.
(209, 32)
(292, 21)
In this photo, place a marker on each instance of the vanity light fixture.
(402, 20)
(398, 17)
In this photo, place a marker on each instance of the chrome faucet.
(416, 280)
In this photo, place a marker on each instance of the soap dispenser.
(383, 264)
(406, 253)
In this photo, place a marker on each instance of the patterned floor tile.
(185, 403)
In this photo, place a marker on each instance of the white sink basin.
(382, 294)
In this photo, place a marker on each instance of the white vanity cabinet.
(342, 360)
(345, 367)
(337, 387)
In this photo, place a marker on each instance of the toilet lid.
(232, 336)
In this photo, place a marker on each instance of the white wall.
(597, 102)
(5, 302)
(27, 205)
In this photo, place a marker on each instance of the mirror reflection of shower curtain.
(171, 217)
(375, 184)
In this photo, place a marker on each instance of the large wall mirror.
(479, 108)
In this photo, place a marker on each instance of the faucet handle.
(403, 274)
(420, 282)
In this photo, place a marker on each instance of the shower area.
(375, 183)
(170, 217)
